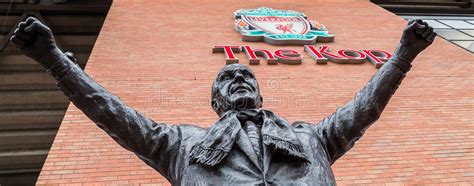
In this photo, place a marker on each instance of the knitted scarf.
(220, 138)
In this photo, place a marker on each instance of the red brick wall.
(157, 57)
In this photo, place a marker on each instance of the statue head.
(235, 88)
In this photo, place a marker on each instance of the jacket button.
(269, 180)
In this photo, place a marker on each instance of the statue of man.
(247, 145)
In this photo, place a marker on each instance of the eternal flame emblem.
(279, 27)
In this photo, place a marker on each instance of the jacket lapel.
(244, 144)
(267, 156)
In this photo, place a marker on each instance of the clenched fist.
(35, 40)
(417, 36)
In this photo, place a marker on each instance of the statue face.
(235, 88)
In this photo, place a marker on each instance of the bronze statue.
(247, 145)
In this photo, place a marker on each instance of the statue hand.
(35, 40)
(417, 36)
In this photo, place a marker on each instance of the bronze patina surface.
(247, 145)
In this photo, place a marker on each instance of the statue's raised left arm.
(343, 128)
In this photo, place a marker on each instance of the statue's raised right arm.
(342, 129)
(154, 143)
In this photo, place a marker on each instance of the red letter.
(332, 57)
(321, 54)
(354, 56)
(318, 57)
(253, 53)
(377, 57)
(229, 52)
(288, 56)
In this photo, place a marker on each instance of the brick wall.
(157, 57)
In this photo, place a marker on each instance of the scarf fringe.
(209, 157)
(220, 138)
(288, 148)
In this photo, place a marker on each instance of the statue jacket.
(167, 148)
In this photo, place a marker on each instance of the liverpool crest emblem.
(279, 27)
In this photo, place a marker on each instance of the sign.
(279, 27)
(288, 27)
(321, 55)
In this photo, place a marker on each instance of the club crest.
(279, 27)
